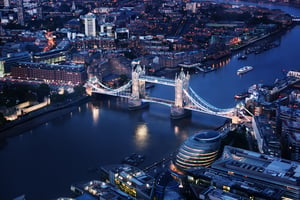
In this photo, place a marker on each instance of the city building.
(54, 56)
(90, 25)
(131, 180)
(121, 34)
(20, 12)
(267, 140)
(261, 169)
(59, 74)
(290, 118)
(200, 149)
(98, 190)
(6, 63)
(94, 43)
(107, 29)
(208, 183)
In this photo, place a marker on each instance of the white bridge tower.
(138, 88)
(181, 84)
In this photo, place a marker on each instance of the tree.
(79, 90)
(42, 91)
(2, 119)
(123, 79)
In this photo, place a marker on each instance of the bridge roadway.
(159, 101)
(154, 79)
(196, 103)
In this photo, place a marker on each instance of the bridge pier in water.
(178, 112)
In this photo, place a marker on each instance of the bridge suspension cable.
(112, 91)
(204, 105)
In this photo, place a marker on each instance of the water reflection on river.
(43, 162)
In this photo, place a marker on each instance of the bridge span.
(186, 99)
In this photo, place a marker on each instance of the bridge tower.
(181, 83)
(138, 88)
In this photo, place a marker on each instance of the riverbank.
(27, 122)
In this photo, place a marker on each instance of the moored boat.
(242, 57)
(241, 95)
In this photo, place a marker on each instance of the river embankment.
(43, 115)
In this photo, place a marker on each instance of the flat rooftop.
(259, 166)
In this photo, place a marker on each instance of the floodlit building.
(61, 74)
(200, 149)
(261, 169)
(133, 181)
(90, 24)
(6, 63)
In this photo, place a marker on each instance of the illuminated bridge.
(186, 99)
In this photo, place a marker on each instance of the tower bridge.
(186, 99)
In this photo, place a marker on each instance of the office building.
(267, 140)
(200, 149)
(54, 56)
(261, 170)
(107, 29)
(6, 63)
(20, 12)
(90, 25)
(133, 181)
(121, 34)
(59, 74)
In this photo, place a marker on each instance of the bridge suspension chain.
(200, 102)
(122, 91)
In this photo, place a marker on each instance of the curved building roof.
(200, 149)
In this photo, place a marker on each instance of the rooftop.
(134, 175)
(260, 166)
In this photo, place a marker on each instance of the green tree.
(42, 91)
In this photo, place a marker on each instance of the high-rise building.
(20, 12)
(6, 3)
(290, 118)
(90, 24)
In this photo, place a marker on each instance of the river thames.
(42, 163)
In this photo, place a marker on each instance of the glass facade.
(200, 149)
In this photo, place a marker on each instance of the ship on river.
(244, 70)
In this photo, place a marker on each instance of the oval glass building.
(200, 149)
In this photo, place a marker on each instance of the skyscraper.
(20, 12)
(90, 24)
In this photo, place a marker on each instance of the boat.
(241, 95)
(244, 70)
(134, 159)
(242, 57)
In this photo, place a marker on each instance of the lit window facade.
(200, 149)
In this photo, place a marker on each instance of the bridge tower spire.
(138, 86)
(181, 84)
